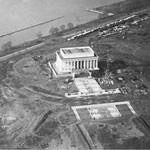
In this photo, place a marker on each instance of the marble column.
(80, 64)
(74, 64)
(70, 65)
(90, 63)
(95, 63)
(84, 64)
(87, 63)
(77, 64)
(67, 65)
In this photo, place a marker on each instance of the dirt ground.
(118, 134)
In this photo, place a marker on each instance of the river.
(18, 14)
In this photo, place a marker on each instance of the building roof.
(74, 52)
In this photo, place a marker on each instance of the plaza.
(88, 86)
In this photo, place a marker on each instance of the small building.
(74, 59)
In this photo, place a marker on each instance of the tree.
(70, 25)
(100, 16)
(62, 27)
(56, 30)
(39, 35)
(7, 45)
(53, 30)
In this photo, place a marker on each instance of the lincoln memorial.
(69, 60)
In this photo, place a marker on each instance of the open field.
(117, 134)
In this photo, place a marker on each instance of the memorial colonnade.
(80, 64)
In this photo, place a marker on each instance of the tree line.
(8, 45)
(54, 30)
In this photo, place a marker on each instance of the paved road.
(21, 52)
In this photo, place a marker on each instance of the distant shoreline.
(29, 35)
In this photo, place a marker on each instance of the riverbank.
(40, 11)
(100, 20)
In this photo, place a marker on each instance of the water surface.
(18, 14)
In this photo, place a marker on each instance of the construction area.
(107, 108)
(103, 111)
(111, 126)
(87, 85)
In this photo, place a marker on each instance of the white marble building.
(69, 60)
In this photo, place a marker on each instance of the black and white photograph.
(74, 74)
